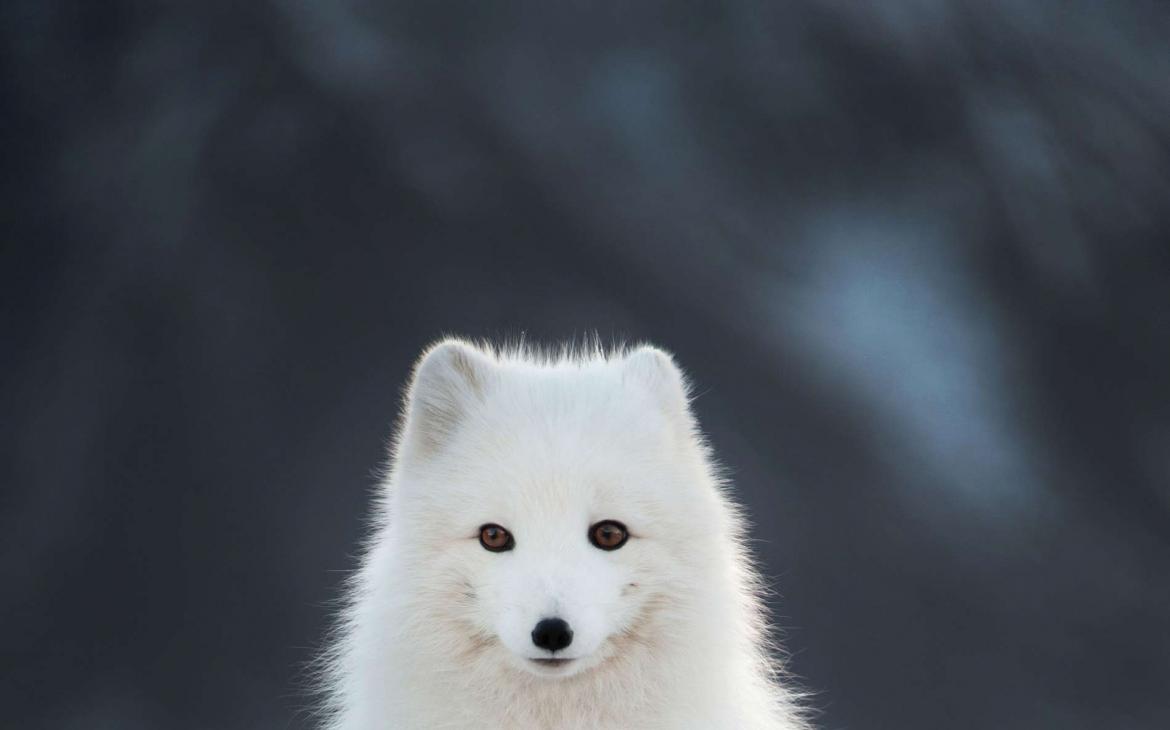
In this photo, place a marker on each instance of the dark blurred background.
(915, 254)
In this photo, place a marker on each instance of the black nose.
(553, 634)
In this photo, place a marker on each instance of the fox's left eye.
(495, 538)
(608, 535)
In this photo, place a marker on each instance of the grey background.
(914, 254)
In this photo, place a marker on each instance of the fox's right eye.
(495, 538)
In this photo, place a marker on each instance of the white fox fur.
(668, 631)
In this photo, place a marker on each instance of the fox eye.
(608, 535)
(495, 538)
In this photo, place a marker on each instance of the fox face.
(554, 600)
(543, 514)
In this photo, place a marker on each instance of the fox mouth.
(552, 665)
(552, 662)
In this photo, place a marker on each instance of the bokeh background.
(915, 255)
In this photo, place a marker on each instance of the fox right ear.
(449, 378)
(656, 371)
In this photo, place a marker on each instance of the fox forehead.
(559, 482)
(492, 437)
(553, 419)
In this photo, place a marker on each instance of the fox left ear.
(654, 369)
(449, 380)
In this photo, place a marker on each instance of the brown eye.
(608, 535)
(495, 538)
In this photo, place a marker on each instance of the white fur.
(668, 630)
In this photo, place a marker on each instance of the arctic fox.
(553, 550)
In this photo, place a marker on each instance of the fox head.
(548, 516)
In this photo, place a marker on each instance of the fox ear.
(449, 378)
(654, 369)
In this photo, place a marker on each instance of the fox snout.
(552, 634)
